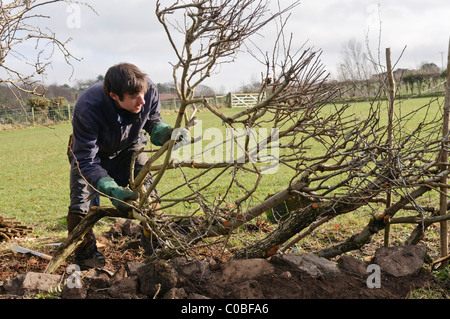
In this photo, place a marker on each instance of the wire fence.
(31, 117)
(18, 118)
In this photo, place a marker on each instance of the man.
(108, 123)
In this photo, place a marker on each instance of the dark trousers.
(83, 196)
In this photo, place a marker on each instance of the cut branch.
(76, 237)
(359, 240)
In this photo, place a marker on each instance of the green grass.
(34, 176)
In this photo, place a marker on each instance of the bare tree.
(355, 64)
(356, 69)
(20, 30)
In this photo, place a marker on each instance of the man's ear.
(114, 96)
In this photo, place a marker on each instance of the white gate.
(244, 99)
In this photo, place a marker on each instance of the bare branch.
(19, 28)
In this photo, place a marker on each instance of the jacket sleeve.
(85, 147)
(154, 116)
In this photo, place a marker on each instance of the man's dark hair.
(124, 78)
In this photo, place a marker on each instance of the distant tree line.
(426, 77)
(52, 96)
(360, 76)
(57, 96)
(352, 85)
(409, 82)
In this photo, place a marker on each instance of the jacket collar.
(125, 117)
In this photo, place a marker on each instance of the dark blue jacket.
(101, 130)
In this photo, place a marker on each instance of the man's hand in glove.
(163, 132)
(118, 194)
(181, 135)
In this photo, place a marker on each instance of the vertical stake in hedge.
(444, 160)
(391, 81)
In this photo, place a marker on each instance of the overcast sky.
(129, 31)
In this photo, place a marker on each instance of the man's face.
(131, 103)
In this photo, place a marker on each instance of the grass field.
(34, 176)
(34, 179)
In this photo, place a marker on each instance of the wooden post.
(231, 100)
(32, 116)
(174, 104)
(391, 80)
(68, 112)
(444, 160)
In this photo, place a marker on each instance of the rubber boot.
(86, 254)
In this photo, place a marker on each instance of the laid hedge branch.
(375, 225)
(423, 223)
(302, 218)
(419, 220)
(76, 237)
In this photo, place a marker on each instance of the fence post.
(68, 111)
(174, 103)
(230, 99)
(32, 116)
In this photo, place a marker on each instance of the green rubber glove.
(109, 187)
(160, 134)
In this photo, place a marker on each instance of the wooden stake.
(444, 159)
(391, 80)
